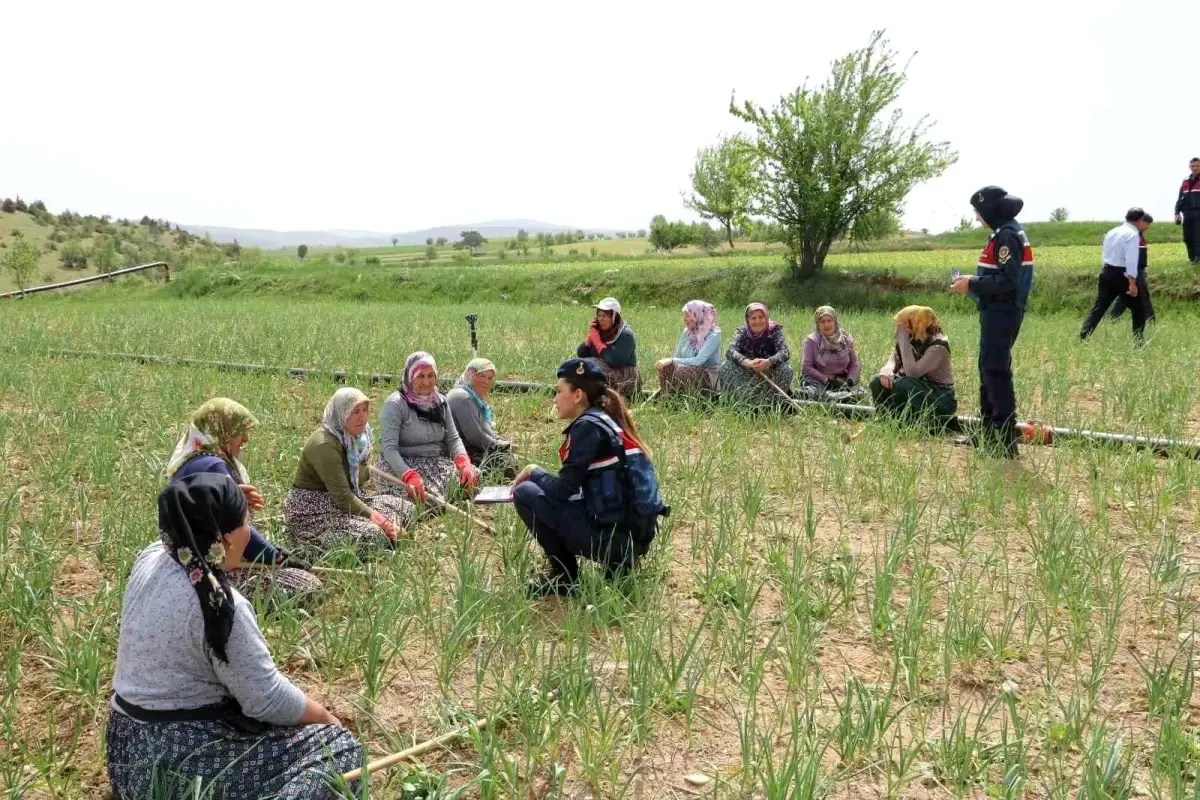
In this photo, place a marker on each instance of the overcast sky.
(395, 116)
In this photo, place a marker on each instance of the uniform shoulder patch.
(1004, 254)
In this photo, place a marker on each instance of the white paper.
(494, 494)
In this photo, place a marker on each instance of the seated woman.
(419, 443)
(216, 434)
(473, 418)
(830, 358)
(697, 354)
(758, 348)
(584, 510)
(198, 706)
(327, 507)
(612, 344)
(916, 382)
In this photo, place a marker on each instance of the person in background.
(586, 509)
(216, 434)
(327, 506)
(1187, 211)
(697, 353)
(1000, 288)
(475, 421)
(1123, 275)
(916, 383)
(830, 358)
(199, 708)
(612, 344)
(419, 443)
(758, 348)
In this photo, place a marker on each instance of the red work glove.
(468, 475)
(595, 340)
(384, 524)
(415, 485)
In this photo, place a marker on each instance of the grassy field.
(835, 609)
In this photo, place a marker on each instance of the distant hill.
(268, 239)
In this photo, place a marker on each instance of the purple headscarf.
(411, 365)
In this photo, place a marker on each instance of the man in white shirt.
(1123, 272)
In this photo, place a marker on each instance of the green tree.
(302, 251)
(441, 241)
(429, 241)
(72, 255)
(105, 256)
(723, 183)
(1059, 214)
(21, 260)
(471, 240)
(431, 252)
(395, 241)
(832, 155)
(523, 241)
(666, 236)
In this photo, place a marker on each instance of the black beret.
(580, 369)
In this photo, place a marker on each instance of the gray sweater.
(468, 419)
(405, 434)
(163, 663)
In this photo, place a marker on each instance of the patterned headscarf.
(835, 343)
(921, 320)
(772, 325)
(474, 367)
(193, 513)
(337, 411)
(700, 318)
(411, 365)
(213, 426)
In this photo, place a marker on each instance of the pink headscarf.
(411, 365)
(699, 317)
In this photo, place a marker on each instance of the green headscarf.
(213, 426)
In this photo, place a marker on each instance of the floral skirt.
(744, 387)
(168, 759)
(318, 526)
(438, 473)
(624, 380)
(673, 378)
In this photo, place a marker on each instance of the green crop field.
(835, 608)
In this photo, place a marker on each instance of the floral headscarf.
(411, 365)
(337, 411)
(474, 367)
(193, 513)
(772, 325)
(922, 321)
(700, 318)
(836, 342)
(213, 426)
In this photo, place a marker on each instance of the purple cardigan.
(818, 364)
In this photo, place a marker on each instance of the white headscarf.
(337, 411)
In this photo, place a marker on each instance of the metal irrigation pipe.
(1030, 431)
(166, 268)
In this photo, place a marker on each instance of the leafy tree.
(641, 234)
(302, 251)
(431, 252)
(471, 240)
(880, 223)
(395, 241)
(523, 241)
(1059, 214)
(703, 234)
(441, 241)
(105, 256)
(832, 155)
(21, 260)
(72, 255)
(667, 236)
(723, 183)
(8, 206)
(964, 224)
(429, 241)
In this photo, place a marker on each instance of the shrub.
(372, 261)
(302, 251)
(72, 255)
(431, 252)
(8, 206)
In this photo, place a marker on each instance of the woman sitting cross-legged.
(612, 344)
(473, 419)
(419, 443)
(758, 351)
(327, 506)
(697, 353)
(590, 508)
(830, 358)
(199, 708)
(916, 383)
(216, 434)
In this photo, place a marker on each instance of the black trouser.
(998, 330)
(1124, 301)
(1191, 234)
(1112, 284)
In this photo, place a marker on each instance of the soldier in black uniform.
(1000, 287)
(1187, 211)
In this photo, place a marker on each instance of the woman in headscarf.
(327, 506)
(697, 353)
(198, 706)
(419, 442)
(217, 432)
(830, 358)
(475, 420)
(916, 383)
(612, 346)
(758, 348)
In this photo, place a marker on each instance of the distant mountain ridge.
(268, 239)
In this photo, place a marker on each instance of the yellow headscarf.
(919, 320)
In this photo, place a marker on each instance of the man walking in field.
(1123, 272)
(1000, 287)
(1187, 211)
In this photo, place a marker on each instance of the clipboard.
(493, 495)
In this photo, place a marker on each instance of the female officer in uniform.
(583, 511)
